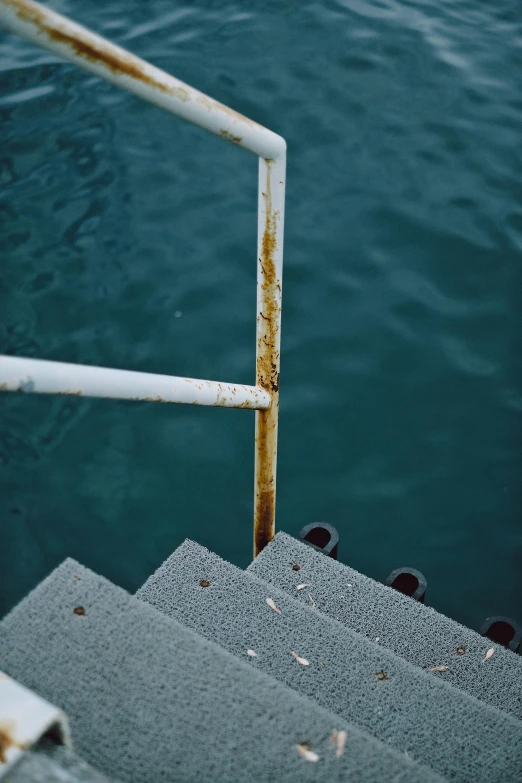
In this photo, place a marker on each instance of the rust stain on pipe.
(230, 137)
(93, 51)
(268, 379)
(7, 740)
(268, 371)
(264, 515)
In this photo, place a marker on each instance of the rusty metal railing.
(114, 64)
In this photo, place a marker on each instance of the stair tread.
(416, 632)
(149, 699)
(408, 710)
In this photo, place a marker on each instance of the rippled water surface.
(128, 240)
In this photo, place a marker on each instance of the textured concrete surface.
(150, 700)
(412, 710)
(50, 763)
(415, 632)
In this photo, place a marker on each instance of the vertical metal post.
(272, 175)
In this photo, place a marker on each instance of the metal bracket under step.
(504, 631)
(408, 581)
(322, 537)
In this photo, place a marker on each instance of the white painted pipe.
(94, 53)
(79, 380)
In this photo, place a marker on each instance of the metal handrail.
(114, 64)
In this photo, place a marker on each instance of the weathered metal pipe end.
(24, 719)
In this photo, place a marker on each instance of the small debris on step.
(310, 596)
(382, 675)
(252, 653)
(489, 654)
(438, 669)
(338, 739)
(341, 742)
(461, 649)
(296, 567)
(272, 605)
(304, 750)
(301, 587)
(302, 661)
(80, 611)
(204, 583)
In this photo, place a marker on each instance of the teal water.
(128, 240)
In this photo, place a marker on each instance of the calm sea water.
(128, 240)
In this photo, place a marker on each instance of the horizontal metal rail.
(79, 380)
(93, 53)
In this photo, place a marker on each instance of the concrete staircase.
(211, 673)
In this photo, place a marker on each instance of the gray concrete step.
(50, 763)
(414, 711)
(150, 700)
(416, 632)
